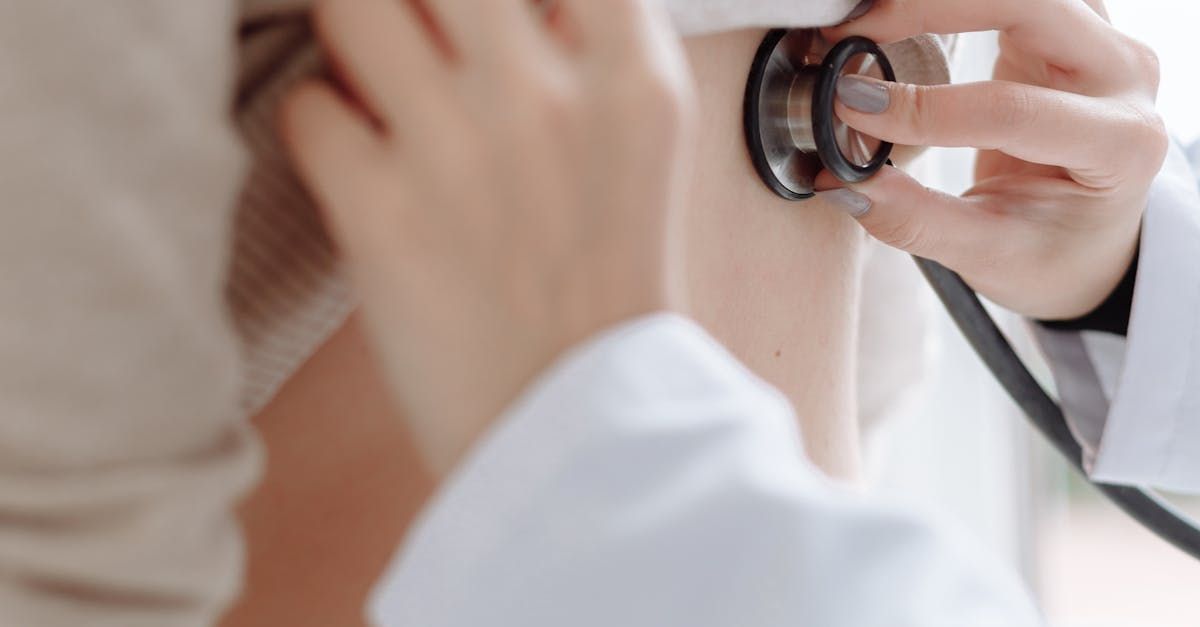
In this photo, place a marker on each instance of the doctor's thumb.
(900, 212)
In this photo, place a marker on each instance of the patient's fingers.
(610, 28)
(634, 46)
(1097, 139)
(330, 144)
(490, 30)
(385, 52)
(1067, 34)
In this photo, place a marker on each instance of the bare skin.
(343, 482)
(776, 281)
(755, 262)
(1068, 144)
(773, 280)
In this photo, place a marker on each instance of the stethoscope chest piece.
(793, 133)
(791, 128)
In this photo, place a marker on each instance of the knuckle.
(656, 97)
(1012, 107)
(923, 108)
(905, 233)
(1149, 135)
(1144, 61)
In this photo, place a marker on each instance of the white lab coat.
(1134, 403)
(649, 479)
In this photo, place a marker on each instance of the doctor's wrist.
(1112, 315)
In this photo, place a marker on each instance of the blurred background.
(959, 447)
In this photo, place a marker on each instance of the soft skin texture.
(1069, 145)
(576, 163)
(343, 481)
(754, 260)
(776, 281)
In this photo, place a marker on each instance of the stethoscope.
(793, 134)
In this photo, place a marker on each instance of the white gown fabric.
(131, 359)
(651, 480)
(648, 479)
(1134, 403)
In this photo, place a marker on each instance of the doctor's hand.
(1069, 144)
(500, 185)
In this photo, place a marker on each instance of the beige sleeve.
(122, 450)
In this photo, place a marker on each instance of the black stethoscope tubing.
(982, 333)
(963, 304)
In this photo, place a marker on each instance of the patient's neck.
(776, 281)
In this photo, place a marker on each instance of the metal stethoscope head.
(791, 126)
(793, 133)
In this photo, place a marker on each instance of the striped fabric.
(285, 292)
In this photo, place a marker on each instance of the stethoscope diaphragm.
(791, 128)
(793, 133)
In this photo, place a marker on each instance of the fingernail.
(848, 201)
(863, 95)
(862, 9)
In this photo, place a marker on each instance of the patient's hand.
(508, 195)
(338, 449)
(1069, 141)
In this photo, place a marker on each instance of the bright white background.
(1096, 568)
(1173, 28)
(961, 449)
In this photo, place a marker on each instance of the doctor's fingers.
(968, 235)
(1102, 142)
(1078, 44)
(1099, 8)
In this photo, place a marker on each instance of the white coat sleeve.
(1134, 402)
(651, 480)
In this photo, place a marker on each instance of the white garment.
(1134, 404)
(124, 448)
(651, 480)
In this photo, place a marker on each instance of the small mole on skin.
(778, 353)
